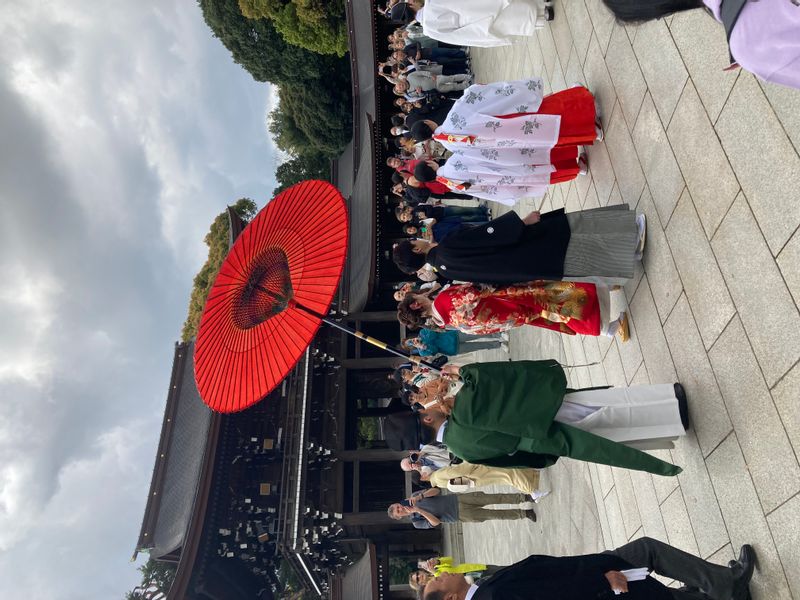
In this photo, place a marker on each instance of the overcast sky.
(126, 127)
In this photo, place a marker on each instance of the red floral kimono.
(565, 306)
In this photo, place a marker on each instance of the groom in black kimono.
(505, 250)
(597, 576)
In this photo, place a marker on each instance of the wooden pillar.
(423, 539)
(373, 316)
(383, 362)
(371, 455)
(367, 518)
(383, 411)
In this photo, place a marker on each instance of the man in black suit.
(597, 576)
(506, 250)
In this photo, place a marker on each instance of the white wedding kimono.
(501, 159)
(480, 22)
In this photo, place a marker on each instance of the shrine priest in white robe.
(482, 23)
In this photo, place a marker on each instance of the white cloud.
(29, 306)
(127, 128)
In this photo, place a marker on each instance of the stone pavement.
(711, 158)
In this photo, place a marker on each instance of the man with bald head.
(599, 576)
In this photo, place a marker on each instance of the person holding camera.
(429, 457)
(429, 508)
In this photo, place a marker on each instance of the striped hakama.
(602, 245)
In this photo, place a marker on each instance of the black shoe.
(683, 405)
(530, 514)
(549, 14)
(439, 361)
(743, 573)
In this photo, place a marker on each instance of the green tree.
(286, 133)
(368, 432)
(317, 26)
(315, 113)
(218, 241)
(155, 574)
(292, 587)
(400, 569)
(325, 118)
(258, 9)
(309, 165)
(307, 120)
(258, 47)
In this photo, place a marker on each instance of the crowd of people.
(475, 278)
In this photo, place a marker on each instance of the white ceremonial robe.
(646, 417)
(482, 23)
(501, 159)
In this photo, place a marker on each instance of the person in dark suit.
(433, 110)
(551, 246)
(597, 576)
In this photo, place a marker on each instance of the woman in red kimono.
(564, 306)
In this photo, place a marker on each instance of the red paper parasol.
(270, 296)
(252, 331)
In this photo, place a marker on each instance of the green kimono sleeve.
(492, 449)
(520, 460)
(519, 398)
(470, 444)
(565, 440)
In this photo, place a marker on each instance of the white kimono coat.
(501, 159)
(480, 22)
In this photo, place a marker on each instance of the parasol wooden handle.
(359, 334)
(370, 340)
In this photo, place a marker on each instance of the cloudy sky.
(125, 128)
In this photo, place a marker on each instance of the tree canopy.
(315, 111)
(258, 47)
(306, 120)
(156, 575)
(311, 24)
(218, 241)
(310, 165)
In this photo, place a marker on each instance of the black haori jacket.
(566, 578)
(504, 250)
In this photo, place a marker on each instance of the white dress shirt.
(471, 592)
(440, 432)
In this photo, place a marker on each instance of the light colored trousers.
(472, 507)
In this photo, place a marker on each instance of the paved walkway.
(711, 158)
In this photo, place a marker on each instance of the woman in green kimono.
(521, 414)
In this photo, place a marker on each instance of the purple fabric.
(766, 39)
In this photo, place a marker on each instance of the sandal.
(598, 130)
(598, 123)
(641, 224)
(624, 331)
(583, 163)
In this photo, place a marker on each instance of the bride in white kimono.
(483, 22)
(509, 141)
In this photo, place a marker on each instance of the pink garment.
(766, 39)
